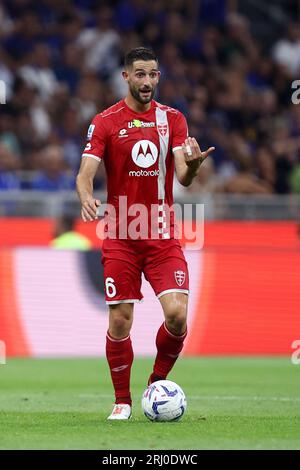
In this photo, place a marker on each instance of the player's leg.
(119, 354)
(171, 334)
(122, 275)
(166, 270)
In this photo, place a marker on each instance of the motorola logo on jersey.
(144, 173)
(144, 153)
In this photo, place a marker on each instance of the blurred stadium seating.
(228, 65)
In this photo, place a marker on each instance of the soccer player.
(141, 142)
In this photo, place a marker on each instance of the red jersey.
(137, 150)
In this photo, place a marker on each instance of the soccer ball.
(164, 401)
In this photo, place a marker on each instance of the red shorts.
(162, 262)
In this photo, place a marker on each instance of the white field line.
(211, 397)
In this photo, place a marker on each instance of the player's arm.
(188, 159)
(84, 185)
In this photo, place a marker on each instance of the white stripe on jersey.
(95, 157)
(162, 120)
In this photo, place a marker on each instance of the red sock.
(119, 355)
(169, 347)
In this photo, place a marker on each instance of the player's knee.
(120, 321)
(176, 320)
(120, 327)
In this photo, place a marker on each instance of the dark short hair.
(139, 53)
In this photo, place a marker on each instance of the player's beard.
(136, 93)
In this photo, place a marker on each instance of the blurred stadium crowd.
(61, 62)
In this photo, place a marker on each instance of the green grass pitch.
(233, 403)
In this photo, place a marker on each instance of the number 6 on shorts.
(110, 287)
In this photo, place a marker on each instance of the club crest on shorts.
(179, 277)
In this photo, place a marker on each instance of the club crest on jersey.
(179, 277)
(90, 131)
(144, 153)
(162, 129)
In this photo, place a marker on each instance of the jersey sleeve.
(96, 139)
(180, 131)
